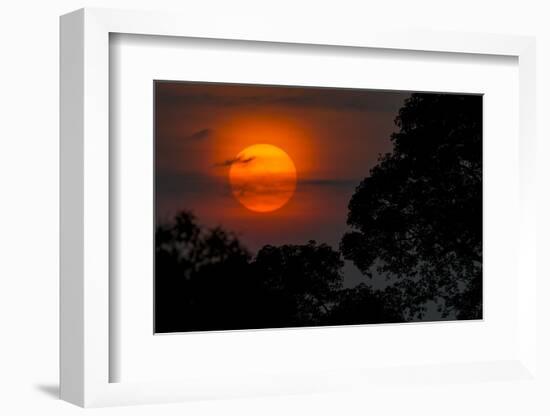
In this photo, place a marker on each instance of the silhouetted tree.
(205, 280)
(364, 305)
(417, 218)
(302, 281)
(200, 277)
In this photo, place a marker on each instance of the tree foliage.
(198, 272)
(304, 278)
(417, 218)
(206, 280)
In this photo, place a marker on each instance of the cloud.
(343, 183)
(344, 100)
(226, 95)
(200, 135)
(238, 159)
(179, 96)
(264, 188)
(173, 183)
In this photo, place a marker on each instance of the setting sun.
(262, 177)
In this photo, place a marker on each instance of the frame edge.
(71, 220)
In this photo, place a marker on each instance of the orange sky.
(333, 136)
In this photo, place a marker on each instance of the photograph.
(297, 206)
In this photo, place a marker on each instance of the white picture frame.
(85, 218)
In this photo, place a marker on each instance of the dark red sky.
(334, 137)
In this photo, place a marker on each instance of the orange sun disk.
(262, 177)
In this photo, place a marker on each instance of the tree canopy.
(305, 278)
(206, 280)
(417, 218)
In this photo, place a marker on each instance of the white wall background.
(29, 205)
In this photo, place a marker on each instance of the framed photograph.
(280, 207)
(279, 212)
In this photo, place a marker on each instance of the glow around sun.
(262, 177)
